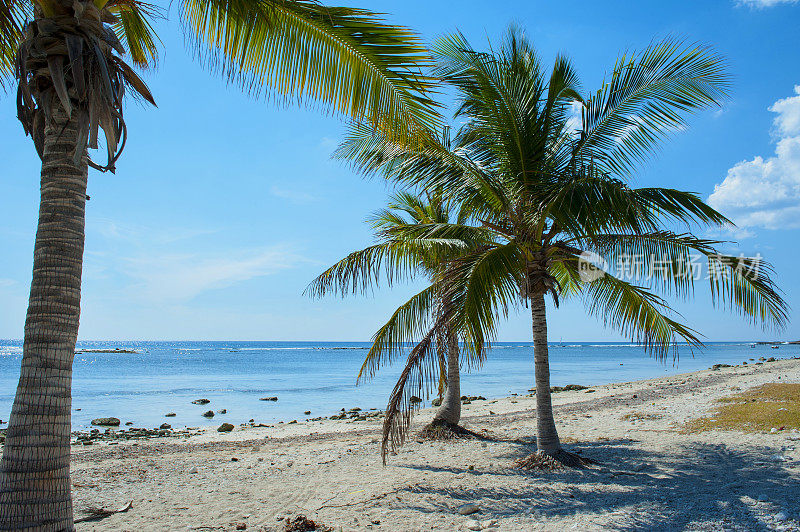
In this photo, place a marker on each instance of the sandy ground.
(650, 477)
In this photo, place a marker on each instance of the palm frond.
(350, 60)
(744, 285)
(663, 258)
(646, 99)
(637, 314)
(407, 324)
(13, 15)
(134, 27)
(482, 286)
(417, 378)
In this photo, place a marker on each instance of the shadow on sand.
(697, 483)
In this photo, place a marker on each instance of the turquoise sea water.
(317, 376)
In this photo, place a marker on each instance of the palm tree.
(547, 196)
(397, 258)
(67, 59)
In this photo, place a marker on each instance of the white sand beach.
(650, 475)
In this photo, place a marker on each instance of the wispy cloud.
(760, 4)
(765, 192)
(292, 195)
(113, 229)
(176, 278)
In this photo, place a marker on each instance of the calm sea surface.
(317, 376)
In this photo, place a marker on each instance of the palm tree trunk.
(546, 435)
(34, 471)
(450, 409)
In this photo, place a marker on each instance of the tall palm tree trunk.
(450, 409)
(546, 435)
(34, 471)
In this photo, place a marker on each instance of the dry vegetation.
(772, 405)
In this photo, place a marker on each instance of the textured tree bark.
(546, 435)
(34, 471)
(450, 409)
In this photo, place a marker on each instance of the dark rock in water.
(106, 422)
(201, 402)
(128, 423)
(223, 411)
(414, 399)
(170, 414)
(771, 359)
(165, 426)
(225, 427)
(292, 422)
(716, 367)
(210, 413)
(436, 402)
(268, 399)
(252, 421)
(307, 412)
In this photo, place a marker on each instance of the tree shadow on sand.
(699, 483)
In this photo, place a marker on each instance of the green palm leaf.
(646, 99)
(348, 59)
(636, 313)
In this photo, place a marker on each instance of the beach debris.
(268, 399)
(106, 422)
(489, 523)
(201, 401)
(567, 388)
(472, 525)
(241, 526)
(209, 413)
(301, 523)
(100, 513)
(193, 470)
(225, 427)
(468, 508)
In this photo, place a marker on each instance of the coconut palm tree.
(550, 207)
(397, 258)
(69, 61)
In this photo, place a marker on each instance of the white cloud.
(765, 192)
(294, 196)
(763, 3)
(173, 278)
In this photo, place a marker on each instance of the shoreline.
(650, 474)
(128, 430)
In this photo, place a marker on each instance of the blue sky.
(224, 207)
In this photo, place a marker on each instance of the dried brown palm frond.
(72, 58)
(420, 372)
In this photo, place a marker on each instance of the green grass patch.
(773, 405)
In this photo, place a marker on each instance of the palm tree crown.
(401, 254)
(546, 189)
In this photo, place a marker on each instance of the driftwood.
(96, 514)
